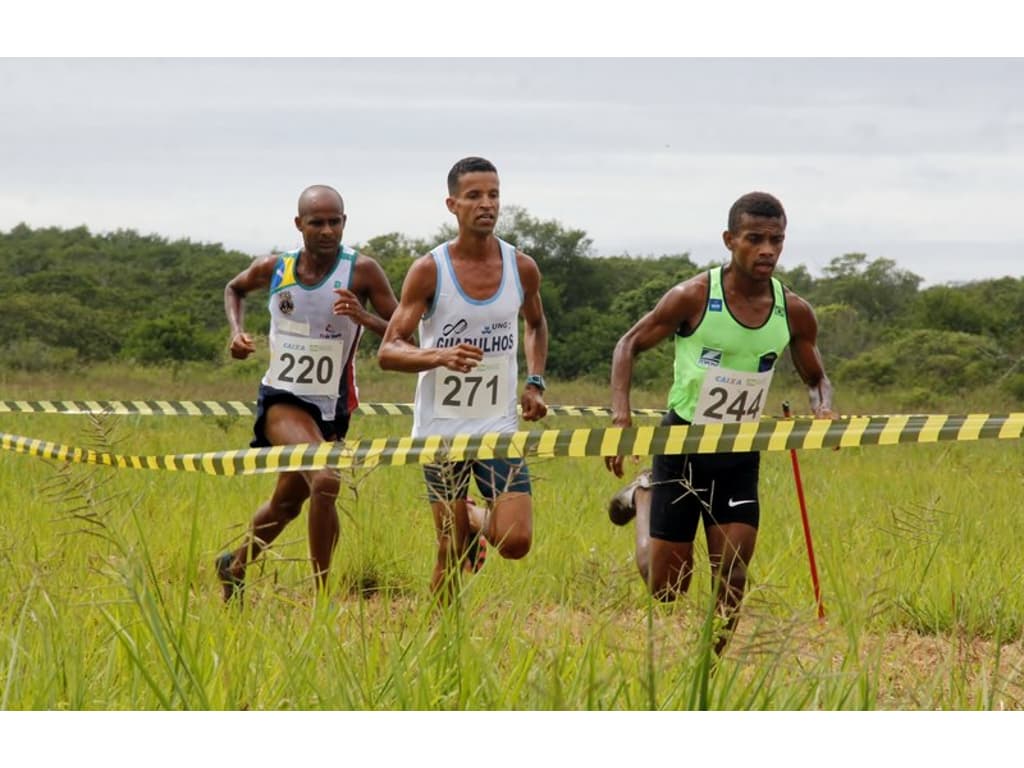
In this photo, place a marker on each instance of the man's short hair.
(467, 165)
(755, 204)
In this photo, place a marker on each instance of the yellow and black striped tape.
(130, 407)
(802, 434)
(239, 408)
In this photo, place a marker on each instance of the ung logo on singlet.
(710, 358)
(504, 325)
(715, 305)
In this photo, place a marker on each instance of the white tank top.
(483, 400)
(311, 348)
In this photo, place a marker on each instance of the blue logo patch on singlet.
(710, 358)
(766, 362)
(715, 305)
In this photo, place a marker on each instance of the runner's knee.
(289, 510)
(734, 574)
(515, 544)
(325, 484)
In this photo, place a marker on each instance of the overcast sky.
(917, 160)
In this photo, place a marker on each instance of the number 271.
(472, 384)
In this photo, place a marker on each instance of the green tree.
(395, 253)
(74, 290)
(989, 307)
(170, 338)
(562, 256)
(947, 308)
(876, 289)
(944, 361)
(797, 279)
(590, 301)
(842, 333)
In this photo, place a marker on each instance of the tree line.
(73, 297)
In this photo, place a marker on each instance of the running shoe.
(622, 507)
(476, 555)
(232, 585)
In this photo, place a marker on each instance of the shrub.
(169, 339)
(945, 362)
(35, 355)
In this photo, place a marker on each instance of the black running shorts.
(717, 488)
(331, 430)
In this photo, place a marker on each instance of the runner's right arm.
(255, 277)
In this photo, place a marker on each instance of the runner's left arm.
(535, 337)
(370, 283)
(803, 347)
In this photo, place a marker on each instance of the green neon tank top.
(720, 340)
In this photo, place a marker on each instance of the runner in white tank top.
(311, 348)
(484, 399)
(317, 295)
(465, 298)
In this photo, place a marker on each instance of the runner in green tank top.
(731, 324)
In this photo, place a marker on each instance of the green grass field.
(112, 602)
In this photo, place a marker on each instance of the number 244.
(738, 408)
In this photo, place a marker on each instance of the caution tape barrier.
(239, 408)
(801, 434)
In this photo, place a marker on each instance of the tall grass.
(112, 602)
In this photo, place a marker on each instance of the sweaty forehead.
(321, 204)
(479, 180)
(752, 223)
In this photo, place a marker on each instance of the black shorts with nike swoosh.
(716, 487)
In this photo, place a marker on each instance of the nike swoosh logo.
(739, 503)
